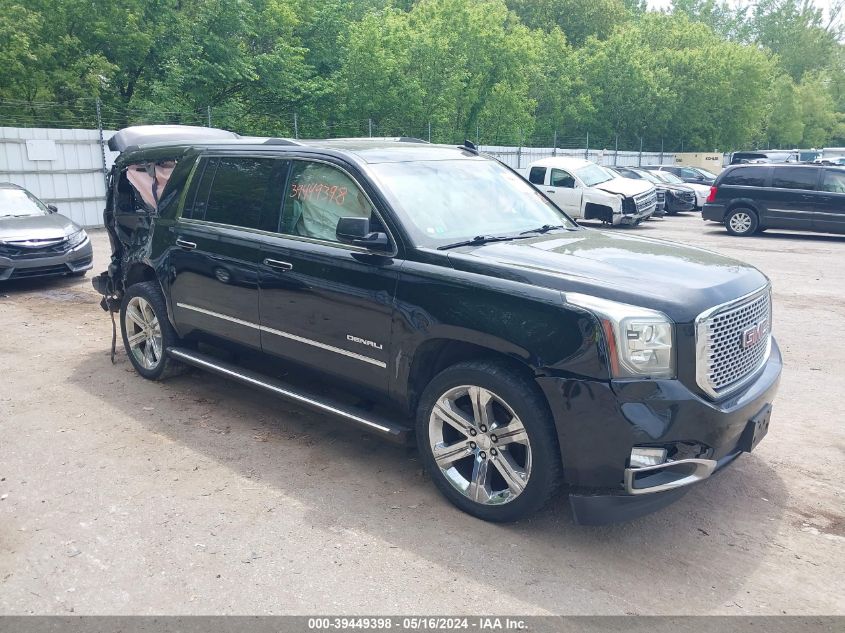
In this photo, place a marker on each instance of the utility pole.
(554, 145)
(640, 159)
(370, 124)
(616, 151)
(295, 125)
(208, 114)
(661, 151)
(519, 152)
(587, 149)
(102, 146)
(429, 131)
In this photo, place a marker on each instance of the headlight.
(640, 341)
(75, 239)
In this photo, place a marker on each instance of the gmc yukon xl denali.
(430, 291)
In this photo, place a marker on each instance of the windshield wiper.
(545, 229)
(481, 239)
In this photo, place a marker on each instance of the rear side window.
(239, 191)
(795, 177)
(746, 177)
(537, 175)
(834, 181)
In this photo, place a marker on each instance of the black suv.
(750, 198)
(431, 290)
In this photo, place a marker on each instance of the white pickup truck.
(587, 191)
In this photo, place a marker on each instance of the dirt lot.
(123, 496)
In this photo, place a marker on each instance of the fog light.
(645, 456)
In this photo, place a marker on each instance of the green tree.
(578, 19)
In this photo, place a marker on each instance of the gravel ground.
(122, 496)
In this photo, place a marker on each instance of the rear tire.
(497, 455)
(741, 221)
(147, 332)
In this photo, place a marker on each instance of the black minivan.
(751, 198)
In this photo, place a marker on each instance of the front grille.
(646, 201)
(687, 196)
(732, 343)
(34, 249)
(40, 271)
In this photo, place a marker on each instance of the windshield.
(592, 175)
(667, 176)
(20, 204)
(451, 200)
(647, 176)
(705, 173)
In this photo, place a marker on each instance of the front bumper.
(75, 260)
(632, 218)
(598, 423)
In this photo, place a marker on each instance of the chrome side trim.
(702, 469)
(288, 335)
(225, 317)
(331, 348)
(199, 361)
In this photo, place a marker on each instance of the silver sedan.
(37, 241)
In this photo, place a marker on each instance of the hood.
(626, 186)
(673, 187)
(698, 188)
(681, 281)
(37, 227)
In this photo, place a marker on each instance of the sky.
(662, 4)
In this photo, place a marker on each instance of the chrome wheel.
(143, 333)
(480, 445)
(740, 222)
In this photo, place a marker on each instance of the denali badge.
(363, 341)
(754, 334)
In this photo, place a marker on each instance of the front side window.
(747, 177)
(537, 175)
(561, 178)
(318, 195)
(445, 201)
(795, 178)
(834, 181)
(689, 173)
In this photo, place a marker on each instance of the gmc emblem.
(754, 334)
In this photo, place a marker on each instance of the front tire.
(487, 439)
(146, 330)
(741, 221)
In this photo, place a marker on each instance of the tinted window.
(834, 181)
(537, 175)
(689, 173)
(795, 177)
(197, 195)
(747, 177)
(561, 178)
(243, 189)
(318, 195)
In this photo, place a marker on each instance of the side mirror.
(52, 208)
(356, 231)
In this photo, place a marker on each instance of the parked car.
(36, 240)
(701, 191)
(690, 175)
(522, 350)
(587, 191)
(676, 197)
(659, 192)
(767, 156)
(750, 198)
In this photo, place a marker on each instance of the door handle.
(188, 246)
(275, 263)
(550, 190)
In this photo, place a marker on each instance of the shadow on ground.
(706, 545)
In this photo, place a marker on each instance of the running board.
(384, 428)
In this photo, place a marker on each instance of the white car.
(701, 191)
(590, 192)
